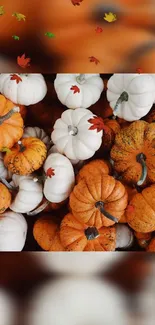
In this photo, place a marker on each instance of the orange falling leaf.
(99, 30)
(98, 124)
(76, 2)
(23, 62)
(50, 172)
(16, 78)
(75, 89)
(93, 59)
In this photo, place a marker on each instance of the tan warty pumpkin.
(5, 198)
(94, 167)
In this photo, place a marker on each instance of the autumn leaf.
(23, 62)
(93, 59)
(99, 30)
(50, 172)
(15, 77)
(49, 34)
(75, 89)
(2, 12)
(76, 2)
(19, 16)
(139, 70)
(15, 37)
(110, 17)
(98, 124)
(130, 208)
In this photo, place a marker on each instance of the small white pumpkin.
(7, 307)
(30, 90)
(54, 149)
(78, 90)
(153, 76)
(73, 135)
(29, 196)
(4, 173)
(124, 236)
(131, 96)
(36, 132)
(13, 231)
(60, 178)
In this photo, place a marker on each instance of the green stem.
(39, 209)
(81, 78)
(141, 159)
(100, 205)
(9, 114)
(122, 98)
(91, 233)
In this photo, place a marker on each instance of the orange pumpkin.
(76, 236)
(143, 239)
(110, 130)
(11, 123)
(26, 156)
(151, 246)
(131, 192)
(98, 200)
(122, 122)
(47, 235)
(94, 167)
(134, 153)
(23, 111)
(141, 211)
(5, 198)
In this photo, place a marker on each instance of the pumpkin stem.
(141, 159)
(73, 130)
(117, 176)
(122, 98)
(40, 178)
(9, 114)
(81, 78)
(100, 205)
(21, 147)
(91, 233)
(39, 209)
(8, 185)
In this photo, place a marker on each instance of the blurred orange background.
(124, 45)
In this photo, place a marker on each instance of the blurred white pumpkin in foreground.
(76, 301)
(7, 308)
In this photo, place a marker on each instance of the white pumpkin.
(90, 87)
(153, 76)
(7, 308)
(131, 96)
(58, 187)
(31, 90)
(13, 231)
(36, 132)
(76, 301)
(124, 236)
(73, 137)
(54, 149)
(29, 196)
(4, 173)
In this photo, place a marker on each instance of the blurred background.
(124, 45)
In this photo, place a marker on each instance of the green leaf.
(15, 37)
(19, 16)
(2, 12)
(49, 34)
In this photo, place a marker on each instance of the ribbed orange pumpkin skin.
(5, 198)
(25, 163)
(131, 192)
(138, 138)
(94, 189)
(47, 235)
(93, 168)
(141, 217)
(11, 130)
(73, 238)
(151, 246)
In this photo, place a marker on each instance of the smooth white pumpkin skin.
(77, 301)
(124, 236)
(30, 91)
(153, 76)
(90, 89)
(54, 149)
(58, 187)
(4, 173)
(7, 308)
(13, 231)
(29, 196)
(36, 132)
(85, 143)
(141, 92)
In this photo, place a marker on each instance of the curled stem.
(141, 159)
(122, 98)
(8, 185)
(81, 78)
(91, 233)
(39, 209)
(100, 206)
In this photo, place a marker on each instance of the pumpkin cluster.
(83, 179)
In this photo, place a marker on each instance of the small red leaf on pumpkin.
(98, 124)
(15, 77)
(76, 89)
(76, 2)
(23, 62)
(139, 70)
(130, 208)
(99, 30)
(93, 59)
(50, 172)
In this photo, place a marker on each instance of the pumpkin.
(133, 153)
(26, 156)
(110, 129)
(124, 236)
(93, 167)
(131, 96)
(23, 111)
(143, 239)
(60, 178)
(11, 123)
(151, 246)
(29, 193)
(78, 90)
(8, 310)
(36, 132)
(98, 200)
(4, 173)
(77, 134)
(23, 89)
(46, 233)
(13, 231)
(5, 198)
(131, 192)
(54, 149)
(141, 211)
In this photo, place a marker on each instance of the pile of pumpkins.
(99, 169)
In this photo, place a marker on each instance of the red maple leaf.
(23, 62)
(15, 77)
(76, 89)
(99, 30)
(76, 2)
(50, 172)
(139, 70)
(98, 124)
(130, 208)
(93, 59)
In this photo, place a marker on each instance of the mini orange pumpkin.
(151, 246)
(11, 123)
(5, 198)
(76, 236)
(98, 200)
(26, 156)
(131, 192)
(141, 211)
(143, 239)
(93, 167)
(47, 235)
(134, 153)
